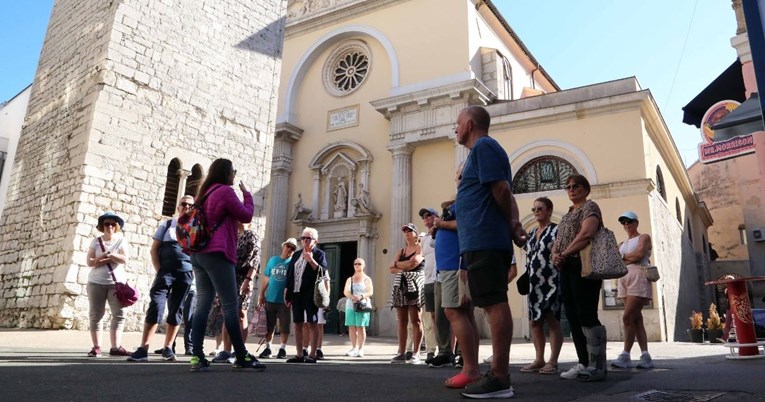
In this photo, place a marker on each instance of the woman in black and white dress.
(544, 296)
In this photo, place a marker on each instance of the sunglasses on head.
(626, 221)
(187, 204)
(572, 187)
(306, 238)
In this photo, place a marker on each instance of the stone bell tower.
(124, 87)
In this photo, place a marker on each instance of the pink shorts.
(634, 284)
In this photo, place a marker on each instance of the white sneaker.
(623, 361)
(645, 361)
(415, 359)
(573, 372)
(488, 359)
(352, 353)
(360, 353)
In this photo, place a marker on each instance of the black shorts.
(303, 309)
(280, 311)
(487, 275)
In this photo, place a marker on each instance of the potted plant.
(696, 333)
(714, 325)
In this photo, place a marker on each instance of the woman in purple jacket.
(214, 266)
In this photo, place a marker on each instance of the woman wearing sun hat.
(110, 248)
(635, 290)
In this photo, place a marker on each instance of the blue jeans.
(214, 273)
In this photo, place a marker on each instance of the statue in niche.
(341, 198)
(362, 203)
(301, 213)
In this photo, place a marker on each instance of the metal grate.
(542, 174)
(654, 395)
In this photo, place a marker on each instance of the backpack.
(192, 231)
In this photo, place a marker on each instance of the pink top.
(223, 208)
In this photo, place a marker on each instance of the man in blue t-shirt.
(272, 286)
(487, 216)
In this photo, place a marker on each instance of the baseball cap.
(424, 211)
(629, 215)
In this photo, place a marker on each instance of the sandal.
(460, 381)
(549, 368)
(533, 367)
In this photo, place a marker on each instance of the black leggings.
(580, 301)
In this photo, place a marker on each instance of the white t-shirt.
(100, 274)
(429, 254)
(162, 235)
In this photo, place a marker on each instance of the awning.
(728, 85)
(745, 119)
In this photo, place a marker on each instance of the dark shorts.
(280, 311)
(487, 275)
(169, 288)
(303, 309)
(430, 297)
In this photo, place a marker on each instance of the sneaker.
(168, 354)
(399, 359)
(645, 361)
(281, 354)
(221, 357)
(439, 361)
(309, 359)
(248, 363)
(265, 354)
(188, 353)
(489, 387)
(158, 351)
(415, 359)
(360, 354)
(573, 372)
(199, 364)
(120, 351)
(430, 357)
(319, 354)
(95, 352)
(623, 361)
(140, 355)
(408, 356)
(296, 359)
(457, 363)
(352, 353)
(231, 360)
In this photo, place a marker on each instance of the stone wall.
(123, 87)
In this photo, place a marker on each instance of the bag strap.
(167, 227)
(201, 204)
(103, 250)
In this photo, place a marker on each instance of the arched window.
(660, 183)
(542, 174)
(193, 181)
(171, 188)
(678, 212)
(690, 231)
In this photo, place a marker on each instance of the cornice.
(470, 89)
(342, 12)
(288, 132)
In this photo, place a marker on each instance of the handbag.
(523, 285)
(126, 294)
(601, 258)
(258, 326)
(321, 290)
(362, 305)
(651, 272)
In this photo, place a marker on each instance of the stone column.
(281, 170)
(315, 196)
(401, 197)
(183, 176)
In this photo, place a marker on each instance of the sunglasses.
(306, 238)
(536, 209)
(110, 224)
(186, 204)
(357, 263)
(626, 221)
(572, 187)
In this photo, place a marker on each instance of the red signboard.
(711, 151)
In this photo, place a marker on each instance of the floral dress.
(544, 295)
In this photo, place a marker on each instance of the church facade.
(369, 94)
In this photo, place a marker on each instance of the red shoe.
(460, 381)
(95, 352)
(120, 351)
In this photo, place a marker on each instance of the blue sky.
(673, 47)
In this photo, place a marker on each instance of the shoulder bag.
(321, 289)
(363, 305)
(126, 294)
(601, 258)
(524, 287)
(651, 272)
